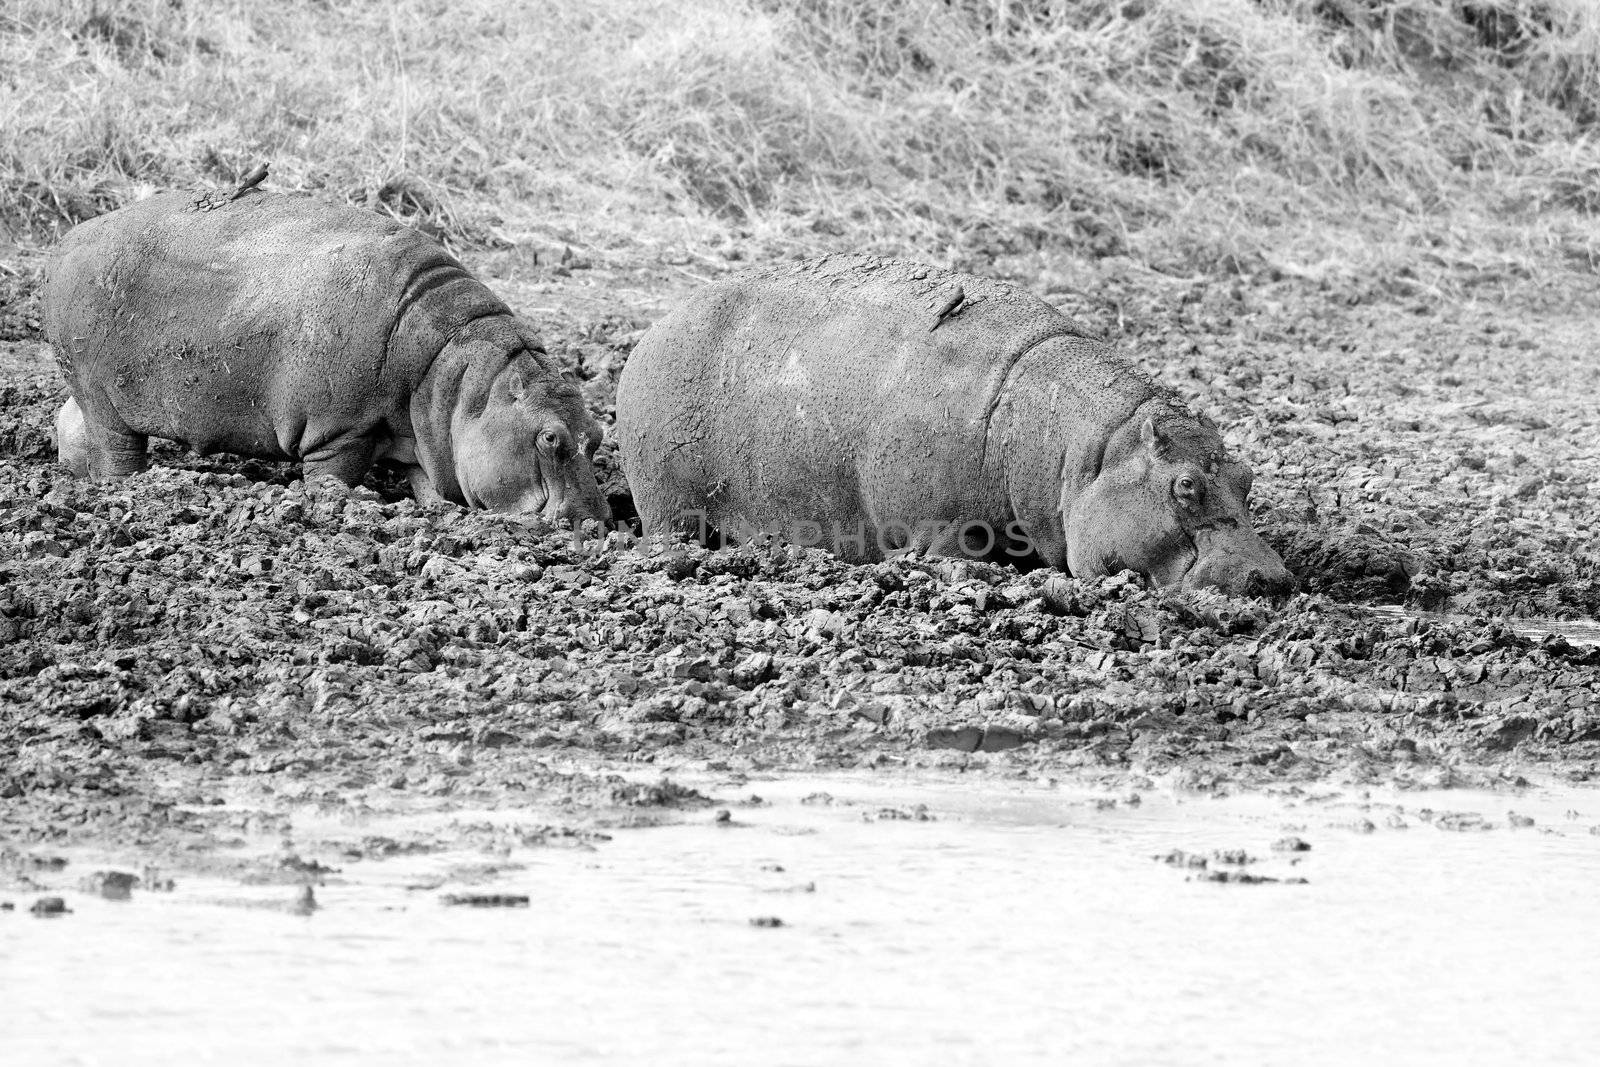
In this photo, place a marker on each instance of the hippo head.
(530, 451)
(1171, 505)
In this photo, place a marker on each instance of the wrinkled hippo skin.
(873, 406)
(285, 327)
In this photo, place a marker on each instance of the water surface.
(1020, 924)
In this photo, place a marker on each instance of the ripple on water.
(1575, 631)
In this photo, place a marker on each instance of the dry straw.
(1195, 136)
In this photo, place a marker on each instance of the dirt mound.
(19, 305)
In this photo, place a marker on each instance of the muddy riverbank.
(215, 625)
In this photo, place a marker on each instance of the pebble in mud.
(1244, 878)
(112, 885)
(1236, 856)
(153, 880)
(485, 900)
(50, 907)
(304, 903)
(770, 922)
(915, 813)
(1291, 844)
(1179, 858)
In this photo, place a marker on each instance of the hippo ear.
(1155, 442)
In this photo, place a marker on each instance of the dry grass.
(1431, 139)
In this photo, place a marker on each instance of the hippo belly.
(818, 474)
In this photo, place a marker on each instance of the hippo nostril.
(576, 511)
(1257, 583)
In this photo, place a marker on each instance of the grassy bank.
(1435, 140)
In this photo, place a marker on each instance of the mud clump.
(1245, 878)
(485, 900)
(19, 304)
(50, 908)
(112, 885)
(27, 410)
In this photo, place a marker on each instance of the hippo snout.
(575, 507)
(1263, 575)
(1260, 583)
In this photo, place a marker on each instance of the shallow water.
(1021, 924)
(1575, 631)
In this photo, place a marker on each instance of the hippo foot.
(72, 439)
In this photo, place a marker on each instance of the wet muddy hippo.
(874, 406)
(285, 327)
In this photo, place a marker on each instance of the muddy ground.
(185, 655)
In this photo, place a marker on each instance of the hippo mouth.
(1161, 577)
(1237, 567)
(1183, 576)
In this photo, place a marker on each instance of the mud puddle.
(1573, 631)
(856, 919)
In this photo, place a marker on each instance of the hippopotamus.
(876, 406)
(285, 327)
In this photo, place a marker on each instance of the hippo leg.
(347, 458)
(117, 455)
(933, 537)
(675, 508)
(680, 518)
(72, 439)
(422, 488)
(115, 452)
(111, 449)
